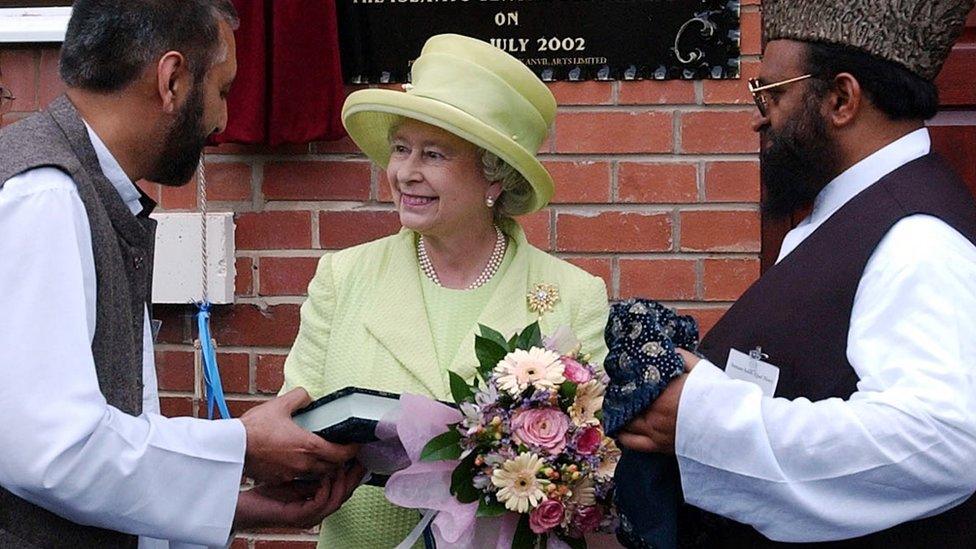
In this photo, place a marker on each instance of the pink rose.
(544, 428)
(588, 519)
(589, 441)
(574, 371)
(546, 516)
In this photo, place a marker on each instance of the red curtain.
(289, 77)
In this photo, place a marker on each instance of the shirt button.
(137, 262)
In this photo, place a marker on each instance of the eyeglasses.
(756, 87)
(6, 100)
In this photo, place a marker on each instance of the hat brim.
(369, 115)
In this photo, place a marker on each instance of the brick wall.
(657, 190)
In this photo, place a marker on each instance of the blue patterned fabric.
(642, 336)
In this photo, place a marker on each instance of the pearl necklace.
(494, 262)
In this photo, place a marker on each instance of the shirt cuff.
(710, 405)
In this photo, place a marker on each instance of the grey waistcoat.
(123, 253)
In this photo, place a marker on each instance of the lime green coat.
(364, 324)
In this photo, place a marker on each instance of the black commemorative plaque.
(558, 39)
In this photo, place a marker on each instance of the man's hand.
(279, 451)
(296, 504)
(653, 430)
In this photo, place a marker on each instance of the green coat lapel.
(507, 310)
(398, 319)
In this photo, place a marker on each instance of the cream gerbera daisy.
(520, 490)
(584, 492)
(589, 400)
(538, 367)
(609, 456)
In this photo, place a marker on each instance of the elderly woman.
(398, 313)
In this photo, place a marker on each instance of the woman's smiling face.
(437, 181)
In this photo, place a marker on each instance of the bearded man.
(837, 398)
(86, 459)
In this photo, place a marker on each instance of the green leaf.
(489, 354)
(524, 537)
(567, 392)
(530, 337)
(490, 507)
(460, 389)
(512, 343)
(443, 447)
(493, 335)
(574, 543)
(462, 480)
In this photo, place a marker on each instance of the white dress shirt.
(903, 446)
(62, 447)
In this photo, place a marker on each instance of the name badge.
(752, 369)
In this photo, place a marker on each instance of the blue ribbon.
(211, 374)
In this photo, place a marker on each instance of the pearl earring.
(489, 201)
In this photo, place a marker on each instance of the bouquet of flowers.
(529, 442)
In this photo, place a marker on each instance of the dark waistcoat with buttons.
(799, 313)
(122, 245)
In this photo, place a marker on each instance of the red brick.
(718, 132)
(727, 279)
(706, 317)
(613, 232)
(240, 149)
(732, 91)
(229, 181)
(751, 24)
(732, 182)
(278, 533)
(174, 370)
(176, 406)
(662, 279)
(384, 194)
(316, 181)
(270, 373)
(248, 325)
(651, 183)
(537, 227)
(182, 198)
(283, 544)
(244, 279)
(236, 407)
(348, 228)
(614, 132)
(344, 145)
(239, 543)
(720, 231)
(580, 182)
(274, 230)
(589, 92)
(656, 92)
(235, 372)
(49, 81)
(176, 323)
(286, 275)
(19, 68)
(597, 266)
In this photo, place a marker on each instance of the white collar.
(115, 174)
(855, 179)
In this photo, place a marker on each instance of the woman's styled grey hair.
(516, 190)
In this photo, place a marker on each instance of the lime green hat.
(473, 90)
